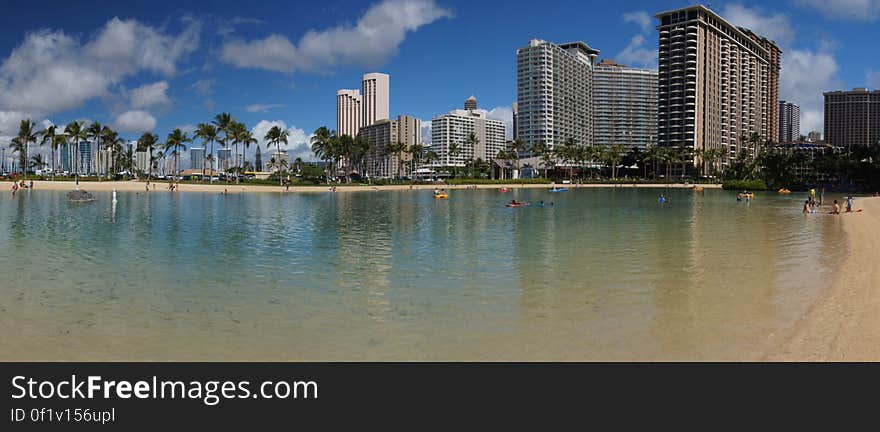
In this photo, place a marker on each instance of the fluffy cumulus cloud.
(805, 76)
(426, 131)
(150, 96)
(52, 71)
(370, 42)
(261, 108)
(505, 114)
(855, 10)
(642, 18)
(297, 139)
(639, 52)
(135, 121)
(772, 26)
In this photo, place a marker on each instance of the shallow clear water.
(606, 274)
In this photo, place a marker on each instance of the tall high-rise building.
(258, 160)
(406, 130)
(852, 118)
(789, 122)
(718, 84)
(555, 93)
(224, 160)
(625, 110)
(514, 107)
(470, 104)
(349, 112)
(376, 103)
(85, 165)
(455, 128)
(197, 158)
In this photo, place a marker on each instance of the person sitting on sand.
(836, 208)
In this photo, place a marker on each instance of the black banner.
(414, 396)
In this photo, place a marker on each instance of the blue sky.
(155, 65)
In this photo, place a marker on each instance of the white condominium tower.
(718, 83)
(406, 130)
(455, 128)
(555, 93)
(625, 110)
(375, 98)
(348, 112)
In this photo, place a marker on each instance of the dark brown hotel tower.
(717, 83)
(852, 118)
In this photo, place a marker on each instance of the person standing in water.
(836, 208)
(807, 209)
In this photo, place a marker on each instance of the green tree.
(76, 133)
(322, 145)
(55, 140)
(176, 143)
(208, 133)
(27, 134)
(277, 136)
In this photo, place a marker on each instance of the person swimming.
(662, 199)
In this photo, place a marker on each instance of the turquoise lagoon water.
(604, 274)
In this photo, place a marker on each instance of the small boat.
(502, 190)
(698, 188)
(518, 204)
(784, 191)
(744, 196)
(558, 190)
(441, 196)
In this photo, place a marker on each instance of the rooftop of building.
(582, 46)
(699, 7)
(854, 90)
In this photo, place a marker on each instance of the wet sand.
(137, 186)
(844, 325)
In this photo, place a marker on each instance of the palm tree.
(112, 146)
(518, 146)
(276, 136)
(321, 142)
(18, 146)
(176, 142)
(93, 132)
(452, 153)
(241, 135)
(416, 150)
(145, 144)
(37, 162)
(545, 153)
(472, 142)
(76, 133)
(568, 153)
(27, 134)
(223, 122)
(55, 141)
(207, 132)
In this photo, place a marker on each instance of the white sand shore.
(844, 325)
(135, 186)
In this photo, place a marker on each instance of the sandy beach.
(844, 325)
(136, 186)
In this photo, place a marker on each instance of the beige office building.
(379, 163)
(349, 114)
(717, 83)
(376, 105)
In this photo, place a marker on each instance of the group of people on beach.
(811, 204)
(21, 185)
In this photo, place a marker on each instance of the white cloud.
(855, 10)
(804, 77)
(150, 96)
(297, 139)
(261, 108)
(642, 18)
(135, 122)
(370, 42)
(203, 86)
(51, 71)
(426, 131)
(637, 53)
(775, 27)
(505, 114)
